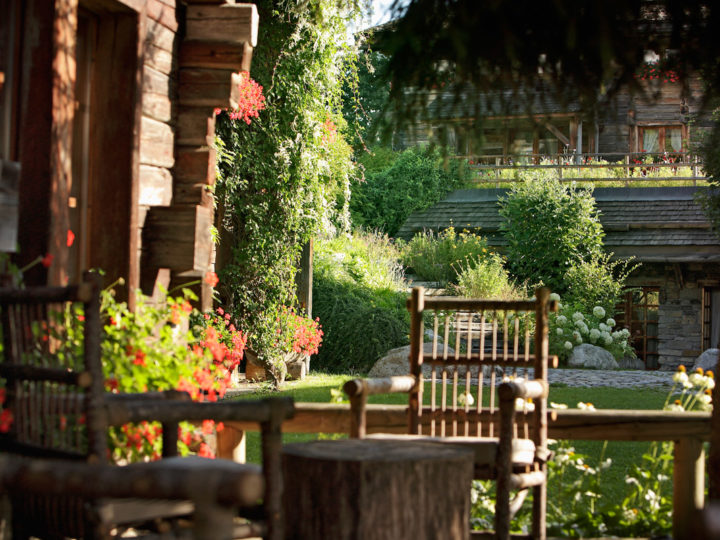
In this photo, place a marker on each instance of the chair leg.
(539, 525)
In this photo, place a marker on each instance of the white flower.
(594, 335)
(680, 377)
(697, 379)
(607, 338)
(568, 345)
(559, 331)
(675, 406)
(577, 316)
(626, 332)
(610, 322)
(599, 312)
(709, 383)
(603, 327)
(585, 406)
(561, 319)
(577, 337)
(705, 399)
(555, 296)
(554, 405)
(466, 398)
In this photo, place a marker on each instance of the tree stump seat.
(376, 489)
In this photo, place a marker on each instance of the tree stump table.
(376, 489)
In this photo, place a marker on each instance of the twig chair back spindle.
(478, 372)
(53, 394)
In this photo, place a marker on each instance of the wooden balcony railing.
(611, 169)
(688, 430)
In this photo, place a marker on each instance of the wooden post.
(232, 444)
(688, 486)
(541, 356)
(417, 305)
(303, 279)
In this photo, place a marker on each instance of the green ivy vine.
(285, 176)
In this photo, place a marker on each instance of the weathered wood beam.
(236, 23)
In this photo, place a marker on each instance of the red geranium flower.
(211, 279)
(47, 260)
(70, 238)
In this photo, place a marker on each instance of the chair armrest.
(123, 398)
(266, 410)
(358, 391)
(386, 385)
(511, 390)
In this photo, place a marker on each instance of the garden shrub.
(486, 277)
(599, 281)
(440, 257)
(359, 296)
(549, 228)
(416, 180)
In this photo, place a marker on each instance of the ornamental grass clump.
(442, 256)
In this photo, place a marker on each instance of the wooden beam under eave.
(231, 23)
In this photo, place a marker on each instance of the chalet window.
(639, 314)
(658, 139)
(710, 317)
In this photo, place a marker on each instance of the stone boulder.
(707, 360)
(631, 363)
(592, 356)
(396, 362)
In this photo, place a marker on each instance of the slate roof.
(654, 224)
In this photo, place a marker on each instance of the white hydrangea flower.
(559, 331)
(577, 337)
(555, 296)
(626, 332)
(610, 322)
(603, 327)
(561, 319)
(594, 335)
(577, 316)
(607, 339)
(568, 345)
(599, 312)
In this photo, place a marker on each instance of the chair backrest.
(469, 346)
(52, 371)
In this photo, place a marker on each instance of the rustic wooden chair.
(495, 341)
(61, 412)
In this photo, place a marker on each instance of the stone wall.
(680, 310)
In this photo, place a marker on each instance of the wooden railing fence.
(627, 168)
(688, 430)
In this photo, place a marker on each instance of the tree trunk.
(373, 489)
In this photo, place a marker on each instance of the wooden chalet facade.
(673, 310)
(655, 120)
(107, 105)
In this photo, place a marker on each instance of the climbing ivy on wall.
(284, 176)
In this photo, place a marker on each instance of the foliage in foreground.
(579, 505)
(416, 180)
(359, 295)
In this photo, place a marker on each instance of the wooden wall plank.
(236, 23)
(159, 59)
(194, 124)
(162, 13)
(156, 185)
(156, 143)
(204, 54)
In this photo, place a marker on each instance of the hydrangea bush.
(570, 327)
